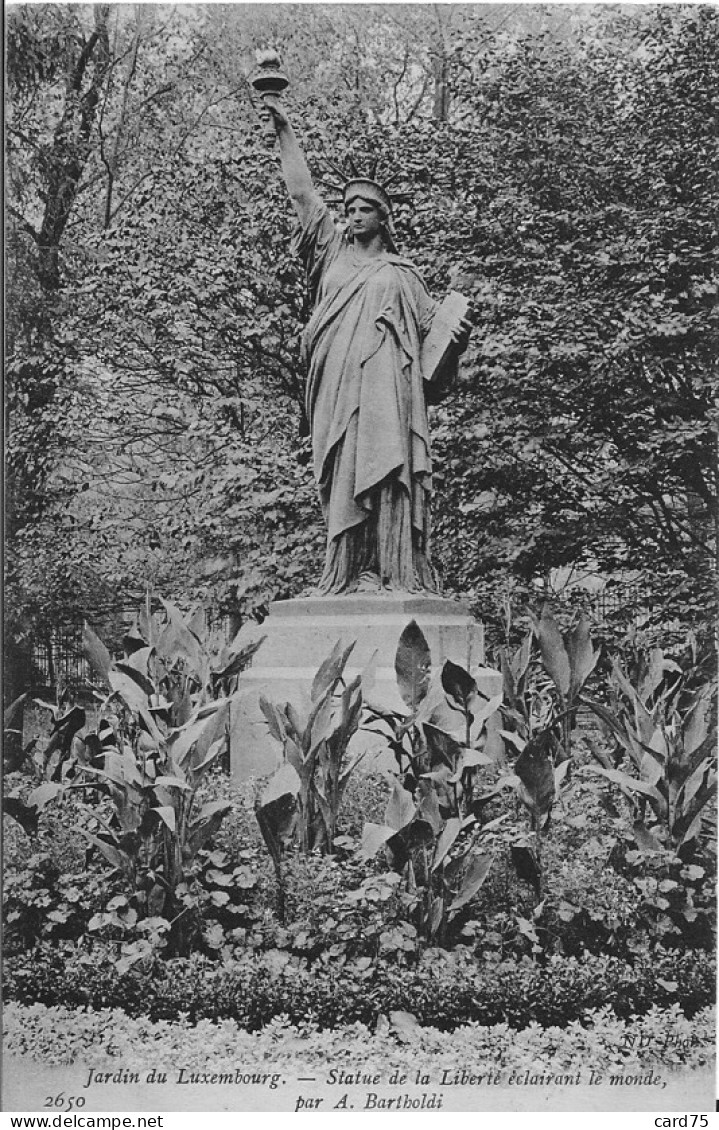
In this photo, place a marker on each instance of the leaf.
(43, 794)
(428, 811)
(25, 814)
(240, 660)
(167, 815)
(645, 840)
(553, 651)
(400, 808)
(693, 783)
(274, 719)
(198, 735)
(526, 865)
(206, 824)
(697, 725)
(442, 747)
(514, 739)
(177, 641)
(172, 783)
(139, 661)
(319, 723)
(483, 715)
(535, 770)
(374, 836)
(582, 656)
(449, 835)
(459, 685)
(330, 670)
(277, 820)
(519, 662)
(474, 875)
(632, 785)
(130, 686)
(413, 663)
(96, 653)
(285, 780)
(560, 773)
(405, 1024)
(118, 859)
(213, 753)
(436, 915)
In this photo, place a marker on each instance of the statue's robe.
(367, 413)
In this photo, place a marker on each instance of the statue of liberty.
(365, 394)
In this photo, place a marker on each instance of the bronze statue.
(366, 402)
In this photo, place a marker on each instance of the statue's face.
(364, 218)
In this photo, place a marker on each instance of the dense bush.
(444, 990)
(663, 1037)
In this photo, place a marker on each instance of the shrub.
(444, 990)
(59, 1035)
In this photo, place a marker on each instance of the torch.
(267, 78)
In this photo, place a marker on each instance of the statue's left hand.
(460, 336)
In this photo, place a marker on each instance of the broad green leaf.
(205, 825)
(697, 725)
(212, 754)
(450, 832)
(171, 782)
(536, 772)
(483, 715)
(582, 656)
(631, 784)
(330, 670)
(459, 686)
(96, 653)
(277, 820)
(319, 725)
(400, 808)
(44, 794)
(374, 836)
(645, 840)
(413, 664)
(693, 783)
(436, 915)
(285, 780)
(167, 815)
(128, 685)
(476, 871)
(177, 641)
(428, 810)
(118, 859)
(442, 747)
(553, 652)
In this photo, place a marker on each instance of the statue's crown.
(354, 182)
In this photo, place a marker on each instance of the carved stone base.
(300, 633)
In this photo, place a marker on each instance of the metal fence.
(59, 659)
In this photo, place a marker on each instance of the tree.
(560, 166)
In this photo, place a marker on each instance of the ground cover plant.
(662, 1038)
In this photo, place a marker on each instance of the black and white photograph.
(360, 542)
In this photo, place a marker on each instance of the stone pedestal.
(301, 633)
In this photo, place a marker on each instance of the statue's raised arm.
(294, 166)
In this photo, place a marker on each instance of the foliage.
(663, 725)
(160, 730)
(42, 903)
(305, 794)
(661, 1038)
(316, 763)
(431, 833)
(446, 990)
